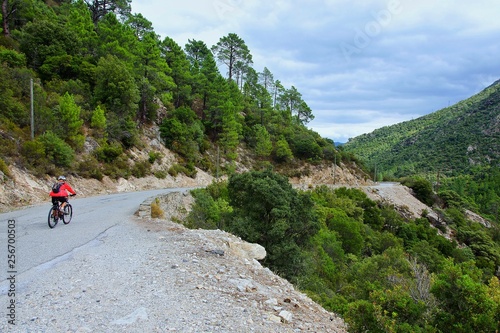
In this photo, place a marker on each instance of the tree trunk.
(5, 18)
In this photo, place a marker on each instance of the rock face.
(25, 189)
(406, 204)
(478, 219)
(328, 174)
(175, 207)
(247, 250)
(400, 197)
(224, 270)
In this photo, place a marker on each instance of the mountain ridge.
(453, 139)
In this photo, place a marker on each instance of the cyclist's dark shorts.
(60, 199)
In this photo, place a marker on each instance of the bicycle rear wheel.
(68, 214)
(53, 217)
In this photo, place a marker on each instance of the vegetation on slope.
(456, 149)
(382, 273)
(451, 141)
(101, 75)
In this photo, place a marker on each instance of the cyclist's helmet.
(61, 178)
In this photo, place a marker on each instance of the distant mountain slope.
(451, 140)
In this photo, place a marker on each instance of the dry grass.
(156, 211)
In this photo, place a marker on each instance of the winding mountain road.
(108, 271)
(36, 244)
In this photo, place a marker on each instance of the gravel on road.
(152, 275)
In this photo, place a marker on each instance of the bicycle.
(55, 214)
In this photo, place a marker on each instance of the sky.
(359, 65)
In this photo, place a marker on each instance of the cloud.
(359, 67)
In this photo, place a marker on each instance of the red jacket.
(63, 191)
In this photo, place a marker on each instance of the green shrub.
(108, 152)
(268, 211)
(422, 188)
(120, 168)
(160, 174)
(361, 317)
(329, 153)
(282, 151)
(452, 199)
(207, 165)
(57, 151)
(8, 147)
(5, 168)
(304, 146)
(89, 168)
(263, 165)
(33, 152)
(12, 58)
(154, 155)
(208, 211)
(141, 169)
(174, 170)
(188, 170)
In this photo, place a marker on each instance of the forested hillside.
(101, 75)
(381, 272)
(97, 77)
(452, 141)
(455, 149)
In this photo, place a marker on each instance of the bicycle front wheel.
(68, 214)
(53, 217)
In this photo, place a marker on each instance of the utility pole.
(334, 169)
(217, 172)
(375, 173)
(437, 182)
(32, 111)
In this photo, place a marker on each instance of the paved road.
(122, 274)
(384, 184)
(37, 245)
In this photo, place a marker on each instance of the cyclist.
(62, 195)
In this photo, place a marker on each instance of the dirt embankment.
(24, 189)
